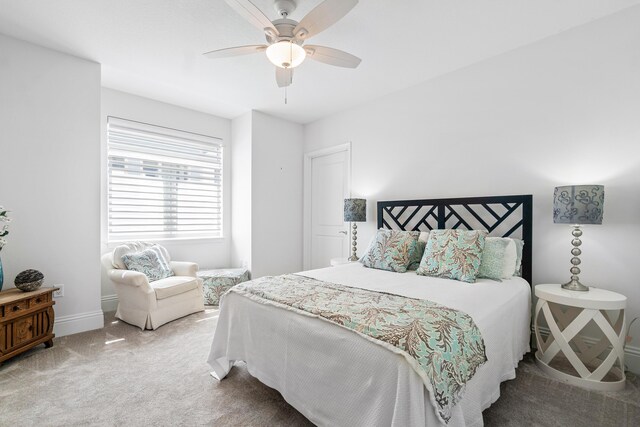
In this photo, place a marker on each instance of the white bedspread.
(337, 378)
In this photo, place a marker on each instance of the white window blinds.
(163, 183)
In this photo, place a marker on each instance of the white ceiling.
(154, 48)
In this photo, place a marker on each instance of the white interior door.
(329, 179)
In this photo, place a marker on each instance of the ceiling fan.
(285, 37)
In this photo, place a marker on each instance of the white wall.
(564, 110)
(267, 194)
(208, 253)
(276, 225)
(49, 179)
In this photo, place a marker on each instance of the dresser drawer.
(15, 308)
(39, 300)
(18, 308)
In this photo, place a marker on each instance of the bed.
(334, 376)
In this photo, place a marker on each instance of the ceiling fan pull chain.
(285, 95)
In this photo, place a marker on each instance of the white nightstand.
(340, 261)
(567, 313)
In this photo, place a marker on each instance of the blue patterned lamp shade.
(355, 210)
(578, 204)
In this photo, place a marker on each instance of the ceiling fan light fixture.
(286, 54)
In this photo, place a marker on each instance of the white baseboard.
(109, 302)
(76, 323)
(632, 359)
(631, 353)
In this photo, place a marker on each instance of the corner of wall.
(241, 175)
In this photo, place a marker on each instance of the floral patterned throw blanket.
(443, 345)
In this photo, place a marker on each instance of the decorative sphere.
(575, 261)
(576, 252)
(576, 242)
(575, 270)
(29, 280)
(577, 232)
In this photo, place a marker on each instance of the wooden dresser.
(26, 320)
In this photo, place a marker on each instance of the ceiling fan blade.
(251, 13)
(235, 51)
(322, 17)
(284, 76)
(332, 56)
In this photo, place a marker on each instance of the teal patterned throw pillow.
(416, 256)
(498, 258)
(151, 262)
(392, 250)
(453, 254)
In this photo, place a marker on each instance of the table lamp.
(577, 205)
(355, 210)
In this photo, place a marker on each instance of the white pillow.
(519, 249)
(510, 258)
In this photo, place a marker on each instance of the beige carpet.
(122, 376)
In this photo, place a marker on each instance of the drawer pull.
(38, 300)
(16, 307)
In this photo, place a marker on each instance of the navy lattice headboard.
(501, 216)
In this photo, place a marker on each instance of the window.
(162, 183)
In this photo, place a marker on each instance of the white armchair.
(150, 305)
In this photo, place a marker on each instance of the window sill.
(173, 241)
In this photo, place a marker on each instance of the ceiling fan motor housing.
(285, 29)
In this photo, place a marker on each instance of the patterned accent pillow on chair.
(453, 254)
(150, 261)
(392, 250)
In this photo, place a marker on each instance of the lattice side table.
(565, 325)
